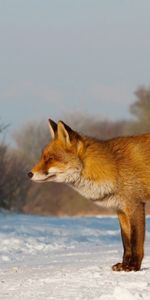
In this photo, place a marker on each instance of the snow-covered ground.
(68, 259)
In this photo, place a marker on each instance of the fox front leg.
(132, 232)
(125, 226)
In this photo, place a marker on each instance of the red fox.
(113, 173)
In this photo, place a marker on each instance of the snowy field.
(66, 258)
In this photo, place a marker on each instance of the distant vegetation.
(19, 194)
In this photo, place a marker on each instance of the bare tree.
(140, 109)
(30, 140)
(96, 127)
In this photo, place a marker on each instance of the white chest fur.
(92, 190)
(102, 194)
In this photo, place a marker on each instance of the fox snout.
(31, 174)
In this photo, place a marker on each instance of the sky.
(64, 56)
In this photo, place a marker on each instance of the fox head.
(61, 158)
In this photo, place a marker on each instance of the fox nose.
(30, 174)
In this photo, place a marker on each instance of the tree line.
(18, 193)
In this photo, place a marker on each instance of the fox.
(113, 173)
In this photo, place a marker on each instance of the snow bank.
(67, 258)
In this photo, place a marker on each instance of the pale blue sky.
(66, 56)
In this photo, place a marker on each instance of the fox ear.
(52, 128)
(64, 133)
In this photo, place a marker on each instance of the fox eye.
(48, 159)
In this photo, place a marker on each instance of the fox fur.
(113, 173)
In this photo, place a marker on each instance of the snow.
(68, 259)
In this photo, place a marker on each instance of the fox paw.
(125, 267)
